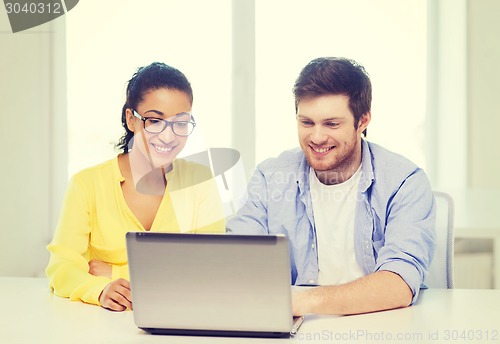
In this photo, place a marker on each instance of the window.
(388, 37)
(108, 40)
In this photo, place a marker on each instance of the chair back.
(440, 273)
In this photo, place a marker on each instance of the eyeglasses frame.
(167, 123)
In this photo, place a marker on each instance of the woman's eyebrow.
(180, 114)
(159, 113)
(155, 111)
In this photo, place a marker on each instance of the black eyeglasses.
(157, 125)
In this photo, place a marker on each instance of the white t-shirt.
(334, 209)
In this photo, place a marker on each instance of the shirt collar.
(367, 177)
(303, 174)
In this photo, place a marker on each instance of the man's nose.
(318, 135)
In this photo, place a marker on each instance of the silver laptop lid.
(211, 282)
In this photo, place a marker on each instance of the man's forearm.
(381, 290)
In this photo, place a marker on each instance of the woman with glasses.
(145, 188)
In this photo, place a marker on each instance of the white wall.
(446, 144)
(483, 56)
(32, 137)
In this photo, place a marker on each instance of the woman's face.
(171, 105)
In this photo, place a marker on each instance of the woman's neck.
(147, 179)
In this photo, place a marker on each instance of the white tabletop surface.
(30, 313)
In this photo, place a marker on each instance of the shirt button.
(313, 246)
(311, 281)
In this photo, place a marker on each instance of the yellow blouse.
(95, 218)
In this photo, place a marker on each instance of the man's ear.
(364, 120)
(130, 119)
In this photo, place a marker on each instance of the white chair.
(441, 269)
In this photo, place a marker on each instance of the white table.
(30, 313)
(477, 215)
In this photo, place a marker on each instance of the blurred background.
(433, 65)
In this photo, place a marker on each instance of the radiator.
(473, 270)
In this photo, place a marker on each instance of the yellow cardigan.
(95, 218)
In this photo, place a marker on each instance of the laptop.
(211, 284)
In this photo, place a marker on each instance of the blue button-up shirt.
(394, 221)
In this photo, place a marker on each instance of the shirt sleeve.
(68, 270)
(251, 218)
(120, 271)
(409, 242)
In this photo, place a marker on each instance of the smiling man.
(360, 219)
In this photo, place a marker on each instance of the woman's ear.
(130, 119)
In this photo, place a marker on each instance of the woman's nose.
(167, 135)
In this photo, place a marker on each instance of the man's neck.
(333, 177)
(343, 172)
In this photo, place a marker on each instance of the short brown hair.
(335, 75)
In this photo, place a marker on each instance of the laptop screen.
(210, 282)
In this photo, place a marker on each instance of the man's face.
(328, 136)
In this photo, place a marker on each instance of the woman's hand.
(100, 268)
(116, 296)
